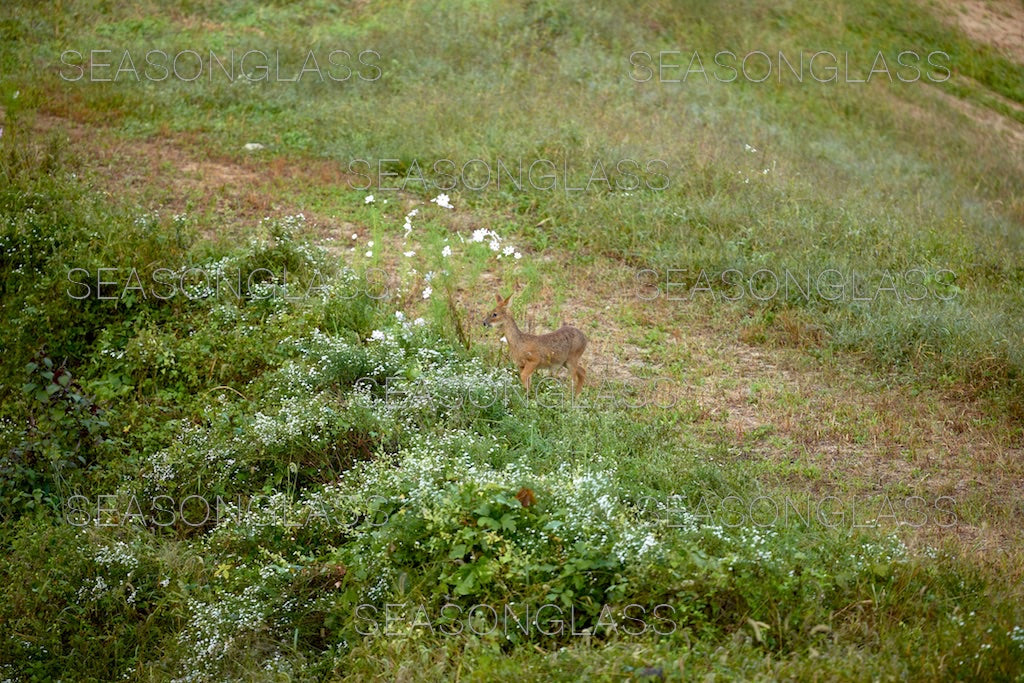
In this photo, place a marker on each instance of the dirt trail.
(999, 23)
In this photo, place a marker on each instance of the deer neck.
(512, 333)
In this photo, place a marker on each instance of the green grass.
(441, 483)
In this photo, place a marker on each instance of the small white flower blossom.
(409, 254)
(355, 235)
(370, 243)
(442, 200)
(419, 322)
(399, 316)
(447, 251)
(368, 199)
(427, 291)
(369, 253)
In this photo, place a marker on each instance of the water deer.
(561, 348)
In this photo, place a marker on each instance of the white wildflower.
(442, 200)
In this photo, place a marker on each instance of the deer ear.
(507, 299)
(498, 297)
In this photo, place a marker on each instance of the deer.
(555, 350)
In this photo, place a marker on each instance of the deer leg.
(524, 375)
(579, 375)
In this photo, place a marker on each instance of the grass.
(294, 475)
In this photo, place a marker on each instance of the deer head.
(499, 316)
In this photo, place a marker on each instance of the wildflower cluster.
(494, 242)
(750, 149)
(216, 630)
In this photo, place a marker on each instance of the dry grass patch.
(999, 23)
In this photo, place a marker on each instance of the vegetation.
(252, 428)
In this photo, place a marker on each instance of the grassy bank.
(252, 429)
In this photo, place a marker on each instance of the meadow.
(252, 427)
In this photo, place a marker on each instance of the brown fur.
(561, 348)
